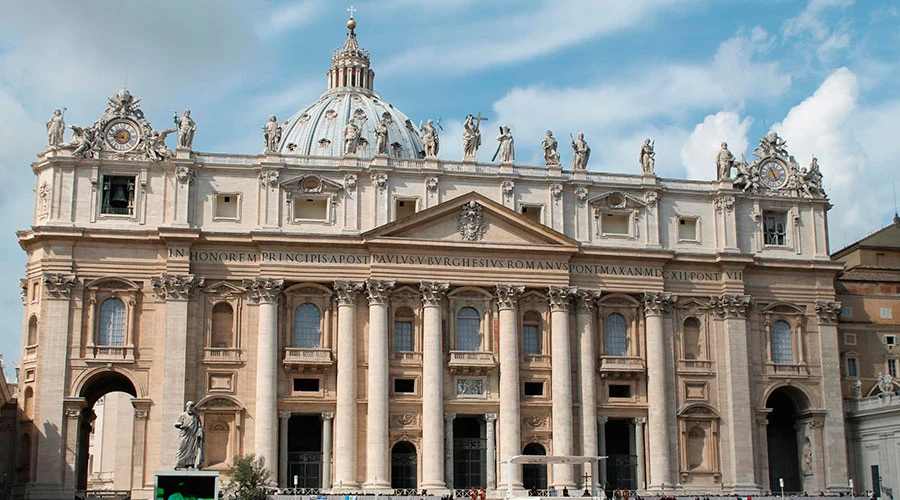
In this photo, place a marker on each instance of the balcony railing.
(622, 366)
(307, 359)
(471, 361)
(537, 360)
(411, 358)
(695, 365)
(787, 370)
(111, 353)
(221, 355)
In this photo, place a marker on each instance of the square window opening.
(887, 313)
(849, 339)
(893, 367)
(847, 312)
(687, 229)
(613, 223)
(619, 391)
(311, 209)
(890, 340)
(532, 213)
(226, 206)
(404, 386)
(534, 388)
(306, 385)
(404, 208)
(774, 224)
(118, 195)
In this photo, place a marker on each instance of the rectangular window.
(532, 213)
(404, 386)
(852, 367)
(311, 209)
(306, 385)
(687, 229)
(226, 206)
(887, 313)
(534, 388)
(532, 339)
(403, 336)
(889, 340)
(879, 259)
(118, 195)
(404, 208)
(619, 391)
(614, 223)
(847, 312)
(774, 226)
(849, 339)
(892, 366)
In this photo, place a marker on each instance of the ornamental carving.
(264, 290)
(731, 306)
(776, 172)
(556, 190)
(650, 197)
(725, 203)
(185, 175)
(327, 415)
(433, 292)
(507, 295)
(406, 420)
(175, 286)
(431, 183)
(379, 291)
(471, 223)
(268, 178)
(640, 420)
(350, 183)
(379, 180)
(507, 187)
(657, 303)
(44, 196)
(23, 289)
(535, 422)
(59, 286)
(581, 194)
(560, 297)
(346, 291)
(586, 299)
(828, 312)
(470, 387)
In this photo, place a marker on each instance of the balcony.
(407, 358)
(536, 361)
(471, 362)
(222, 356)
(622, 367)
(111, 354)
(695, 366)
(307, 360)
(779, 370)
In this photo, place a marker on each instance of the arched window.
(691, 339)
(782, 343)
(222, 334)
(32, 331)
(531, 333)
(307, 326)
(28, 404)
(468, 329)
(403, 465)
(616, 335)
(403, 330)
(112, 323)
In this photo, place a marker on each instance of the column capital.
(639, 420)
(59, 286)
(264, 290)
(602, 419)
(657, 303)
(433, 292)
(347, 291)
(490, 417)
(731, 306)
(828, 311)
(560, 297)
(284, 415)
(586, 300)
(141, 408)
(176, 286)
(508, 295)
(327, 415)
(379, 291)
(74, 406)
(449, 417)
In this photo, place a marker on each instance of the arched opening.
(32, 331)
(111, 331)
(28, 403)
(468, 329)
(307, 326)
(222, 335)
(403, 466)
(534, 476)
(469, 448)
(616, 335)
(782, 445)
(23, 459)
(696, 442)
(691, 339)
(305, 451)
(106, 444)
(531, 333)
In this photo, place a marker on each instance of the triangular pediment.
(474, 219)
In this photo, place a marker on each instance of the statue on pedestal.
(582, 153)
(430, 139)
(272, 134)
(506, 150)
(186, 128)
(381, 135)
(471, 137)
(724, 163)
(190, 439)
(647, 158)
(551, 155)
(56, 128)
(351, 138)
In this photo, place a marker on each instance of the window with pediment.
(616, 215)
(111, 328)
(784, 328)
(468, 329)
(619, 319)
(111, 305)
(699, 432)
(782, 343)
(223, 302)
(404, 334)
(307, 326)
(532, 336)
(222, 418)
(616, 335)
(311, 199)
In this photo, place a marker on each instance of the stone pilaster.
(835, 448)
(639, 451)
(266, 292)
(346, 293)
(327, 446)
(656, 304)
(491, 452)
(510, 416)
(585, 301)
(283, 418)
(139, 441)
(738, 433)
(377, 449)
(432, 386)
(601, 449)
(448, 448)
(561, 379)
(74, 408)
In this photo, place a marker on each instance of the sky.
(687, 73)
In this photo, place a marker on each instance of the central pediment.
(471, 219)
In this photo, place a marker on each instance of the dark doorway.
(403, 466)
(304, 451)
(534, 475)
(784, 460)
(621, 466)
(468, 453)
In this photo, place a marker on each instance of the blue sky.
(687, 73)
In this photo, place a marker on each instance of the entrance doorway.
(304, 468)
(469, 448)
(784, 458)
(534, 475)
(403, 466)
(621, 466)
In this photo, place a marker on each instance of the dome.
(318, 129)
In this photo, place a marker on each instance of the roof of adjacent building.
(887, 237)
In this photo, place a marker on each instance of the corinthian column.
(655, 305)
(585, 300)
(561, 380)
(266, 292)
(377, 456)
(345, 417)
(510, 418)
(835, 458)
(176, 291)
(432, 387)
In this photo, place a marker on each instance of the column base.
(434, 485)
(345, 488)
(378, 487)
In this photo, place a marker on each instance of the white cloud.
(813, 34)
(289, 17)
(699, 150)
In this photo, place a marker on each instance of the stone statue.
(551, 155)
(430, 139)
(807, 457)
(857, 388)
(506, 151)
(885, 383)
(813, 179)
(83, 141)
(190, 439)
(648, 157)
(272, 133)
(56, 128)
(471, 137)
(582, 153)
(724, 162)
(186, 128)
(351, 138)
(156, 149)
(381, 136)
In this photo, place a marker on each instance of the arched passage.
(534, 476)
(403, 466)
(786, 404)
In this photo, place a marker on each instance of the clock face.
(773, 175)
(122, 135)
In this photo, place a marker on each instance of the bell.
(119, 197)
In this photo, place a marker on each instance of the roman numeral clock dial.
(773, 175)
(122, 135)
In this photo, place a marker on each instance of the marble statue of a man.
(507, 152)
(272, 134)
(56, 128)
(190, 439)
(351, 138)
(430, 139)
(648, 157)
(724, 162)
(582, 153)
(381, 137)
(471, 137)
(551, 155)
(186, 128)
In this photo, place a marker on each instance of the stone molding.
(379, 291)
(586, 300)
(828, 311)
(449, 417)
(640, 420)
(508, 295)
(346, 291)
(490, 417)
(264, 290)
(657, 303)
(59, 286)
(433, 292)
(560, 297)
(176, 286)
(185, 175)
(327, 415)
(268, 178)
(731, 306)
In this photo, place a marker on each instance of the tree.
(249, 478)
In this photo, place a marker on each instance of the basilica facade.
(371, 317)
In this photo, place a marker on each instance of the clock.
(772, 175)
(122, 135)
